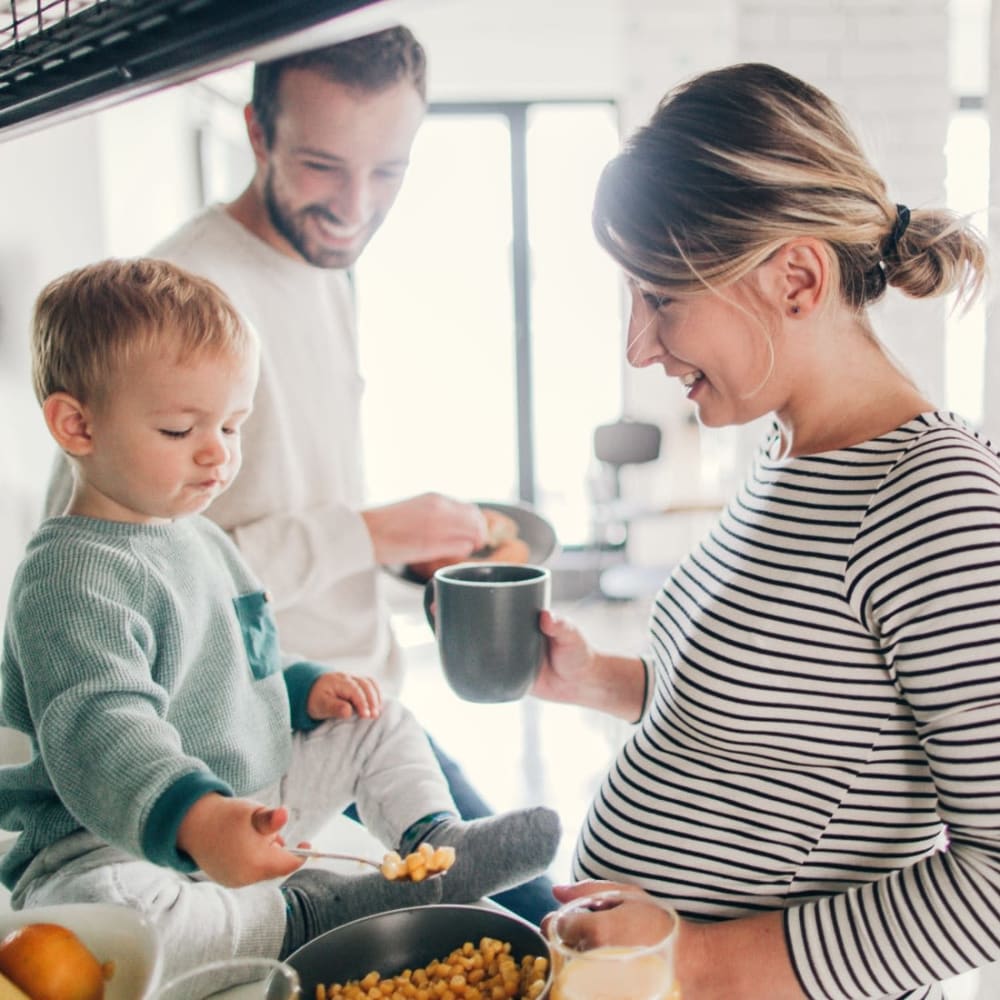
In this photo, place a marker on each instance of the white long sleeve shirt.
(293, 510)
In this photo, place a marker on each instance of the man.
(331, 132)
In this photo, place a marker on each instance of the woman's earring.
(794, 310)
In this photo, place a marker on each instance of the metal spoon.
(308, 852)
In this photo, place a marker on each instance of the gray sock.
(318, 899)
(496, 852)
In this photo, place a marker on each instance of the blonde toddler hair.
(91, 323)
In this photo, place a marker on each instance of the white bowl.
(113, 934)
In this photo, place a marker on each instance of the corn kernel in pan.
(488, 972)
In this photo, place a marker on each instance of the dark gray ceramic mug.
(486, 622)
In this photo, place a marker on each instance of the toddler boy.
(174, 747)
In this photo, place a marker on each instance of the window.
(436, 310)
(968, 162)
(968, 158)
(490, 318)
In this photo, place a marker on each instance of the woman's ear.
(801, 273)
(68, 421)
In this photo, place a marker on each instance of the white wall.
(52, 222)
(522, 49)
(148, 168)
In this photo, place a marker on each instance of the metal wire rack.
(57, 54)
(19, 21)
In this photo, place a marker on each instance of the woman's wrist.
(735, 958)
(615, 685)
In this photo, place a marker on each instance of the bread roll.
(513, 551)
(499, 528)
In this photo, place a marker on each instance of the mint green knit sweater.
(142, 662)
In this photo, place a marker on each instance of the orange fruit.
(49, 962)
(8, 991)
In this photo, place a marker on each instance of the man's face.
(335, 166)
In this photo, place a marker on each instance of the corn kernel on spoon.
(308, 852)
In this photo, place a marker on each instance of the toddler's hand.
(235, 841)
(339, 696)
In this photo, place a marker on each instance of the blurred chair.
(616, 445)
(669, 529)
(625, 442)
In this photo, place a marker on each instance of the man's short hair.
(370, 63)
(89, 324)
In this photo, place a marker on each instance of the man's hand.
(429, 526)
(339, 696)
(235, 841)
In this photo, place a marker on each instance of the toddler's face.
(166, 441)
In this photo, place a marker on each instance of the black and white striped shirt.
(826, 706)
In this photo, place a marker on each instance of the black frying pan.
(405, 939)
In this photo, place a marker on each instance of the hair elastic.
(891, 245)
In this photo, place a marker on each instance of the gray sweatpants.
(384, 765)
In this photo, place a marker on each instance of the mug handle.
(428, 601)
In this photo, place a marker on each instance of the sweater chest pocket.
(260, 633)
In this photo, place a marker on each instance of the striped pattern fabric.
(825, 731)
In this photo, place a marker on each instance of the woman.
(821, 702)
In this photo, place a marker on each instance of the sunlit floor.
(533, 753)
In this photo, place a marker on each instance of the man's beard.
(292, 228)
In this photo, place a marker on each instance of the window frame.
(517, 114)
